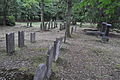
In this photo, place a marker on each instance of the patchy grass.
(23, 69)
(38, 59)
(117, 66)
(39, 49)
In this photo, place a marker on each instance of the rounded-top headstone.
(104, 23)
(109, 25)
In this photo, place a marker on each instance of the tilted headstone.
(21, 39)
(56, 49)
(10, 43)
(49, 62)
(32, 37)
(40, 72)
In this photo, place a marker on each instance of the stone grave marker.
(56, 49)
(41, 26)
(49, 61)
(40, 72)
(10, 43)
(60, 39)
(65, 37)
(32, 37)
(72, 30)
(21, 39)
(49, 25)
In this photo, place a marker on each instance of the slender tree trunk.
(4, 12)
(42, 13)
(68, 21)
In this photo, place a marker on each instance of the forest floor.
(83, 57)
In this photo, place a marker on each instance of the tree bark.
(42, 14)
(68, 21)
(5, 13)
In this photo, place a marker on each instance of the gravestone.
(107, 29)
(72, 30)
(55, 24)
(30, 24)
(40, 72)
(60, 28)
(56, 49)
(21, 39)
(41, 26)
(103, 26)
(45, 27)
(75, 28)
(32, 37)
(65, 36)
(49, 62)
(60, 39)
(10, 43)
(27, 24)
(49, 25)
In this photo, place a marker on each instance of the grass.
(35, 24)
(38, 59)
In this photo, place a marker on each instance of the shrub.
(10, 21)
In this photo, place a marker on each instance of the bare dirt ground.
(88, 58)
(83, 57)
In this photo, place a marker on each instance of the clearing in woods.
(83, 57)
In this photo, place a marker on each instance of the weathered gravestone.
(40, 72)
(49, 62)
(105, 37)
(75, 28)
(60, 39)
(21, 39)
(41, 27)
(51, 24)
(48, 25)
(10, 43)
(55, 24)
(45, 27)
(56, 49)
(72, 30)
(60, 28)
(65, 36)
(32, 37)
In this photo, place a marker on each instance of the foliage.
(10, 20)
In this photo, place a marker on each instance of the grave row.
(49, 25)
(10, 41)
(44, 71)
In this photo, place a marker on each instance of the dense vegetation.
(92, 11)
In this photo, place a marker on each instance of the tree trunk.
(68, 21)
(4, 12)
(42, 13)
